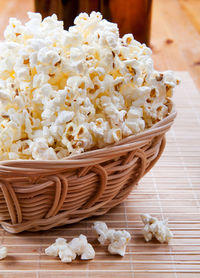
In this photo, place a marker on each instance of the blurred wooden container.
(132, 16)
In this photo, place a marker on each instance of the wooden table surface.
(175, 38)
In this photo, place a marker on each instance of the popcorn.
(66, 92)
(155, 228)
(53, 250)
(3, 252)
(67, 252)
(82, 248)
(118, 240)
(101, 230)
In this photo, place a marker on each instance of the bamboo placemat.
(170, 190)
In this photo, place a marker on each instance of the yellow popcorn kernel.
(117, 135)
(118, 86)
(89, 57)
(159, 77)
(26, 61)
(121, 57)
(33, 72)
(81, 131)
(12, 74)
(128, 40)
(116, 73)
(57, 63)
(96, 55)
(153, 93)
(98, 123)
(68, 103)
(101, 78)
(93, 75)
(131, 70)
(168, 90)
(70, 129)
(159, 108)
(77, 144)
(69, 137)
(92, 91)
(82, 85)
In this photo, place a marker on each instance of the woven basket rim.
(95, 153)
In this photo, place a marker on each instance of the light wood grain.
(175, 38)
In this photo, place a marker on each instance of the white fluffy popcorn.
(67, 252)
(101, 230)
(65, 92)
(3, 252)
(155, 228)
(82, 248)
(53, 250)
(117, 240)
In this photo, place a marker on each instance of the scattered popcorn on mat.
(66, 92)
(67, 252)
(117, 240)
(3, 252)
(155, 228)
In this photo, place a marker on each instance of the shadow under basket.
(39, 195)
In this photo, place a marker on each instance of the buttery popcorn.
(118, 240)
(65, 92)
(155, 228)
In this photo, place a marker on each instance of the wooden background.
(175, 38)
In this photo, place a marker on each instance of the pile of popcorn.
(66, 92)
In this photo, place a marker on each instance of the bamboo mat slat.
(170, 190)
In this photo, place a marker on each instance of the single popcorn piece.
(67, 92)
(53, 250)
(82, 248)
(118, 240)
(155, 228)
(101, 230)
(3, 252)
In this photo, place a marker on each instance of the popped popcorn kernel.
(117, 240)
(3, 252)
(66, 92)
(155, 228)
(67, 252)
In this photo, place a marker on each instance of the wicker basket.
(39, 195)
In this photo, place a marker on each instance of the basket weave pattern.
(39, 195)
